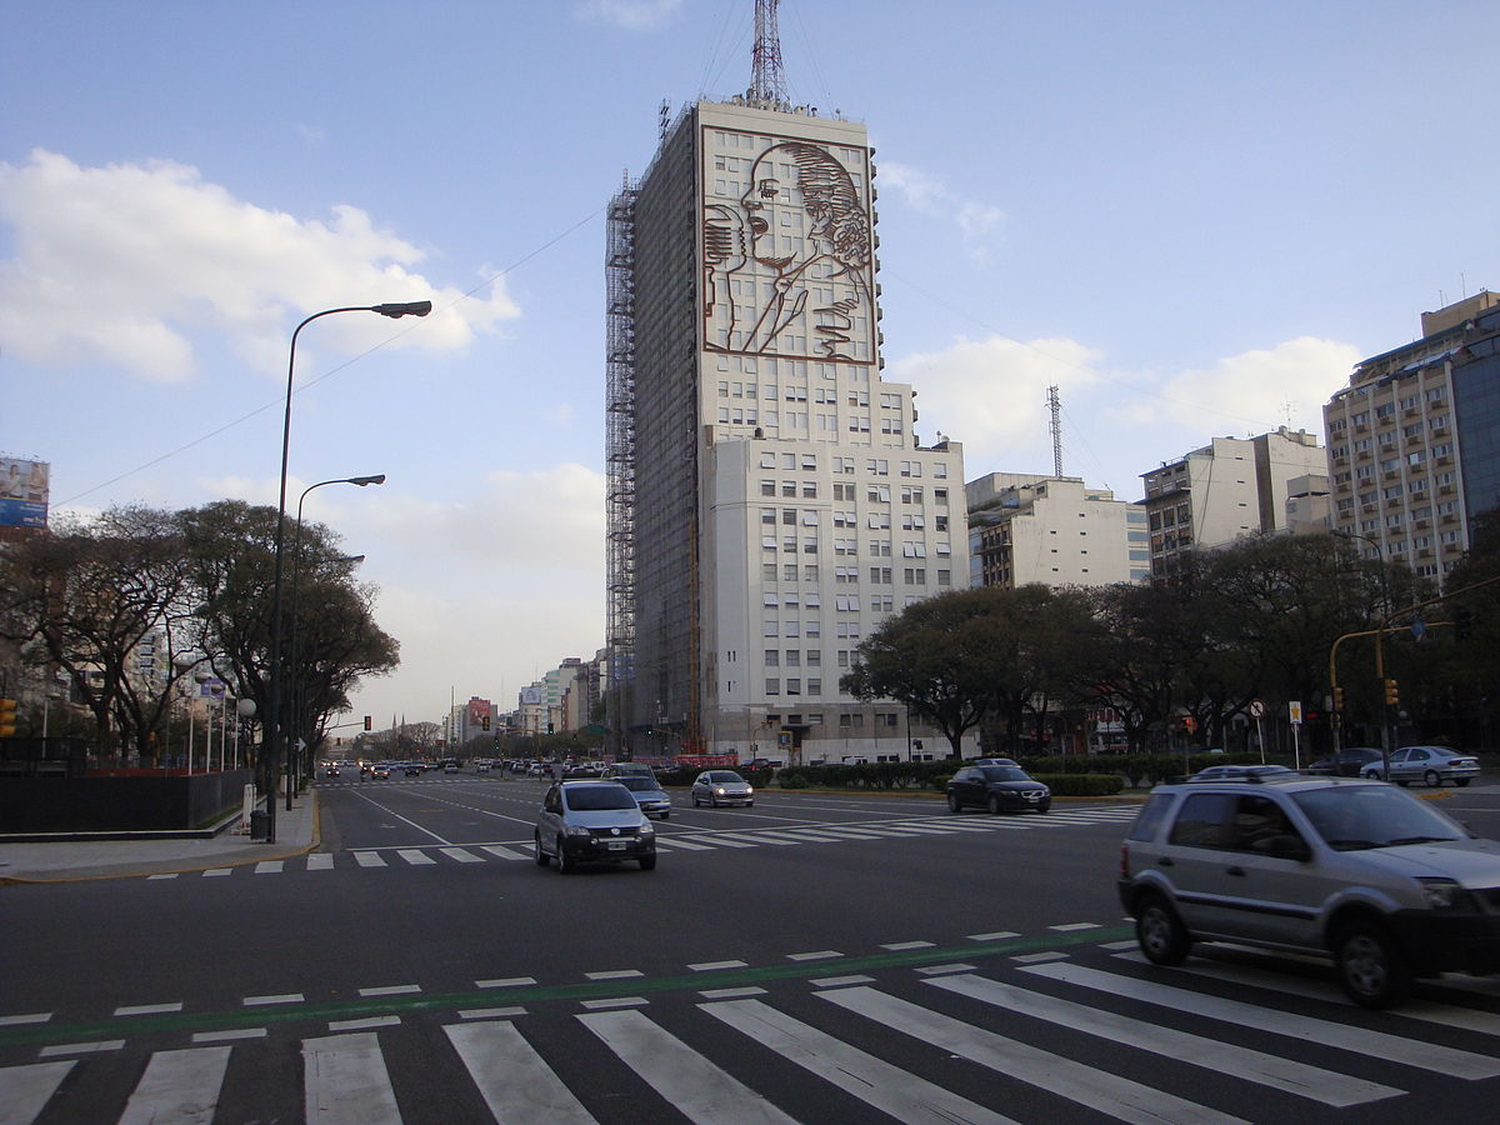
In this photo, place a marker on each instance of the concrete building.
(1232, 487)
(1057, 531)
(1414, 440)
(769, 502)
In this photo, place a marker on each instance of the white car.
(722, 787)
(1431, 765)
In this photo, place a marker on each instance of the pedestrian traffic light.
(368, 724)
(7, 717)
(1392, 696)
(1463, 622)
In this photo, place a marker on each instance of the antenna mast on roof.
(1054, 404)
(767, 82)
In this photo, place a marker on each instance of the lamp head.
(400, 309)
(362, 481)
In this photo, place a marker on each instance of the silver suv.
(592, 822)
(1359, 871)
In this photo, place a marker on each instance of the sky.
(1193, 218)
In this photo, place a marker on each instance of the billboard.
(23, 492)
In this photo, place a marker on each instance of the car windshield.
(724, 777)
(1004, 773)
(590, 798)
(1350, 818)
(638, 784)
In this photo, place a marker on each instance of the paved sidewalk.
(297, 832)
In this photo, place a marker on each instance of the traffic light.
(368, 724)
(1392, 695)
(1338, 699)
(1463, 622)
(484, 723)
(7, 717)
(549, 726)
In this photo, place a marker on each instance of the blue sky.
(1193, 217)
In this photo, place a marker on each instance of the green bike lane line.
(118, 1027)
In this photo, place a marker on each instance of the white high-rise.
(769, 502)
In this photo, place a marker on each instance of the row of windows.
(874, 494)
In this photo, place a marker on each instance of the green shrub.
(1081, 784)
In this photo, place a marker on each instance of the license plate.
(616, 845)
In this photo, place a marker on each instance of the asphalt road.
(814, 958)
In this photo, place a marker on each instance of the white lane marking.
(1033, 958)
(505, 982)
(369, 859)
(731, 993)
(672, 843)
(940, 970)
(461, 855)
(148, 1009)
(345, 1082)
(178, 1086)
(1247, 1064)
(1070, 926)
(896, 1092)
(27, 1089)
(819, 955)
(30, 1017)
(415, 856)
(218, 872)
(391, 990)
(269, 867)
(512, 1078)
(616, 1002)
(489, 1013)
(366, 1022)
(690, 1083)
(232, 1033)
(80, 1048)
(153, 878)
(840, 982)
(722, 839)
(898, 946)
(504, 852)
(709, 966)
(998, 935)
(615, 974)
(1376, 1044)
(282, 998)
(1098, 1090)
(320, 861)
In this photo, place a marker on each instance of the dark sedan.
(1352, 761)
(997, 788)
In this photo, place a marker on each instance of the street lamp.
(273, 711)
(296, 709)
(1386, 741)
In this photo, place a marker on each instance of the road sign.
(1294, 712)
(1257, 709)
(1419, 628)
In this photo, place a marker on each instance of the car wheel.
(565, 866)
(542, 859)
(1371, 775)
(648, 863)
(954, 805)
(1160, 933)
(1371, 969)
(1461, 782)
(1432, 779)
(695, 800)
(994, 806)
(713, 802)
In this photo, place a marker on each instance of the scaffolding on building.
(620, 459)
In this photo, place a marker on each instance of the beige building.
(1231, 488)
(1056, 531)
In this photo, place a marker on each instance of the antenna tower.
(1055, 406)
(767, 82)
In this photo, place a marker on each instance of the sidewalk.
(297, 832)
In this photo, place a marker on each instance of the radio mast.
(767, 82)
(1054, 404)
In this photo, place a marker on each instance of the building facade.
(1231, 488)
(1056, 531)
(1414, 440)
(769, 500)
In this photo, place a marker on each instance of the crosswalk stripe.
(1376, 1044)
(415, 856)
(1096, 1089)
(758, 838)
(1315, 1083)
(320, 861)
(178, 1086)
(724, 840)
(461, 855)
(345, 1081)
(672, 842)
(24, 1090)
(896, 1092)
(514, 1081)
(694, 1086)
(369, 859)
(503, 852)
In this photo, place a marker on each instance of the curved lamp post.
(296, 709)
(273, 711)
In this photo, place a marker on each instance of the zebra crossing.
(684, 841)
(1093, 1031)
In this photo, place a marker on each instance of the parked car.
(648, 794)
(1353, 761)
(997, 788)
(592, 822)
(1385, 885)
(1241, 773)
(1431, 765)
(722, 787)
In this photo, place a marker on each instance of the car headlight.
(1445, 894)
(718, 791)
(749, 789)
(646, 830)
(575, 830)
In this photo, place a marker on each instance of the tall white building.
(1232, 487)
(769, 500)
(1056, 531)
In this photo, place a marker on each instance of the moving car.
(592, 822)
(1241, 773)
(1353, 761)
(997, 788)
(1385, 885)
(381, 772)
(1431, 765)
(412, 770)
(331, 771)
(648, 794)
(722, 787)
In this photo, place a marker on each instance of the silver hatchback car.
(1431, 765)
(722, 787)
(592, 822)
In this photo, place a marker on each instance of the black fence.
(61, 803)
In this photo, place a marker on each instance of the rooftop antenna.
(663, 112)
(767, 82)
(1054, 404)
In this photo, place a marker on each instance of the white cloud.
(982, 225)
(633, 15)
(1284, 385)
(120, 264)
